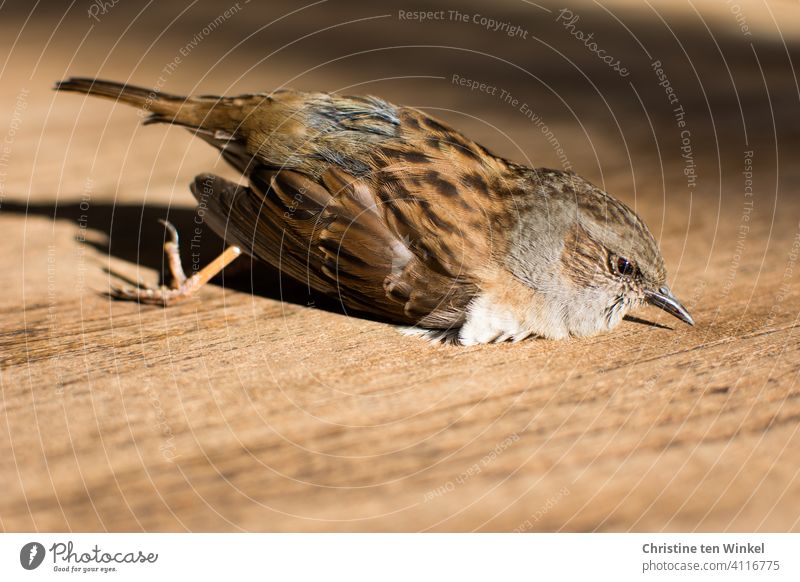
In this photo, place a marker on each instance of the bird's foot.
(179, 285)
(162, 295)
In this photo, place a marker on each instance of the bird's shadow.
(134, 234)
(639, 320)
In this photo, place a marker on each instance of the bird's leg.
(179, 285)
(172, 253)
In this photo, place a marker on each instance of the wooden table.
(257, 411)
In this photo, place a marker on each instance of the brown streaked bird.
(399, 215)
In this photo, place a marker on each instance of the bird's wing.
(385, 206)
(445, 194)
(330, 234)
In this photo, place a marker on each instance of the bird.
(398, 215)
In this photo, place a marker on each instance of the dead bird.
(399, 215)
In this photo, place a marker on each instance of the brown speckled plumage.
(400, 215)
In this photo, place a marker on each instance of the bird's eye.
(623, 266)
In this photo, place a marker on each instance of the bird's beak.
(664, 299)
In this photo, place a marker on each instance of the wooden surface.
(256, 411)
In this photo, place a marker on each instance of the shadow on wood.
(134, 234)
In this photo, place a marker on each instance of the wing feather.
(383, 206)
(332, 235)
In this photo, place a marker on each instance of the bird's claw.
(163, 296)
(180, 286)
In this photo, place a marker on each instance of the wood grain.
(256, 411)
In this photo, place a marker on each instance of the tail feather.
(147, 99)
(191, 112)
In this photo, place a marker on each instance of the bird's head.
(602, 259)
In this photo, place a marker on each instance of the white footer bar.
(415, 557)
